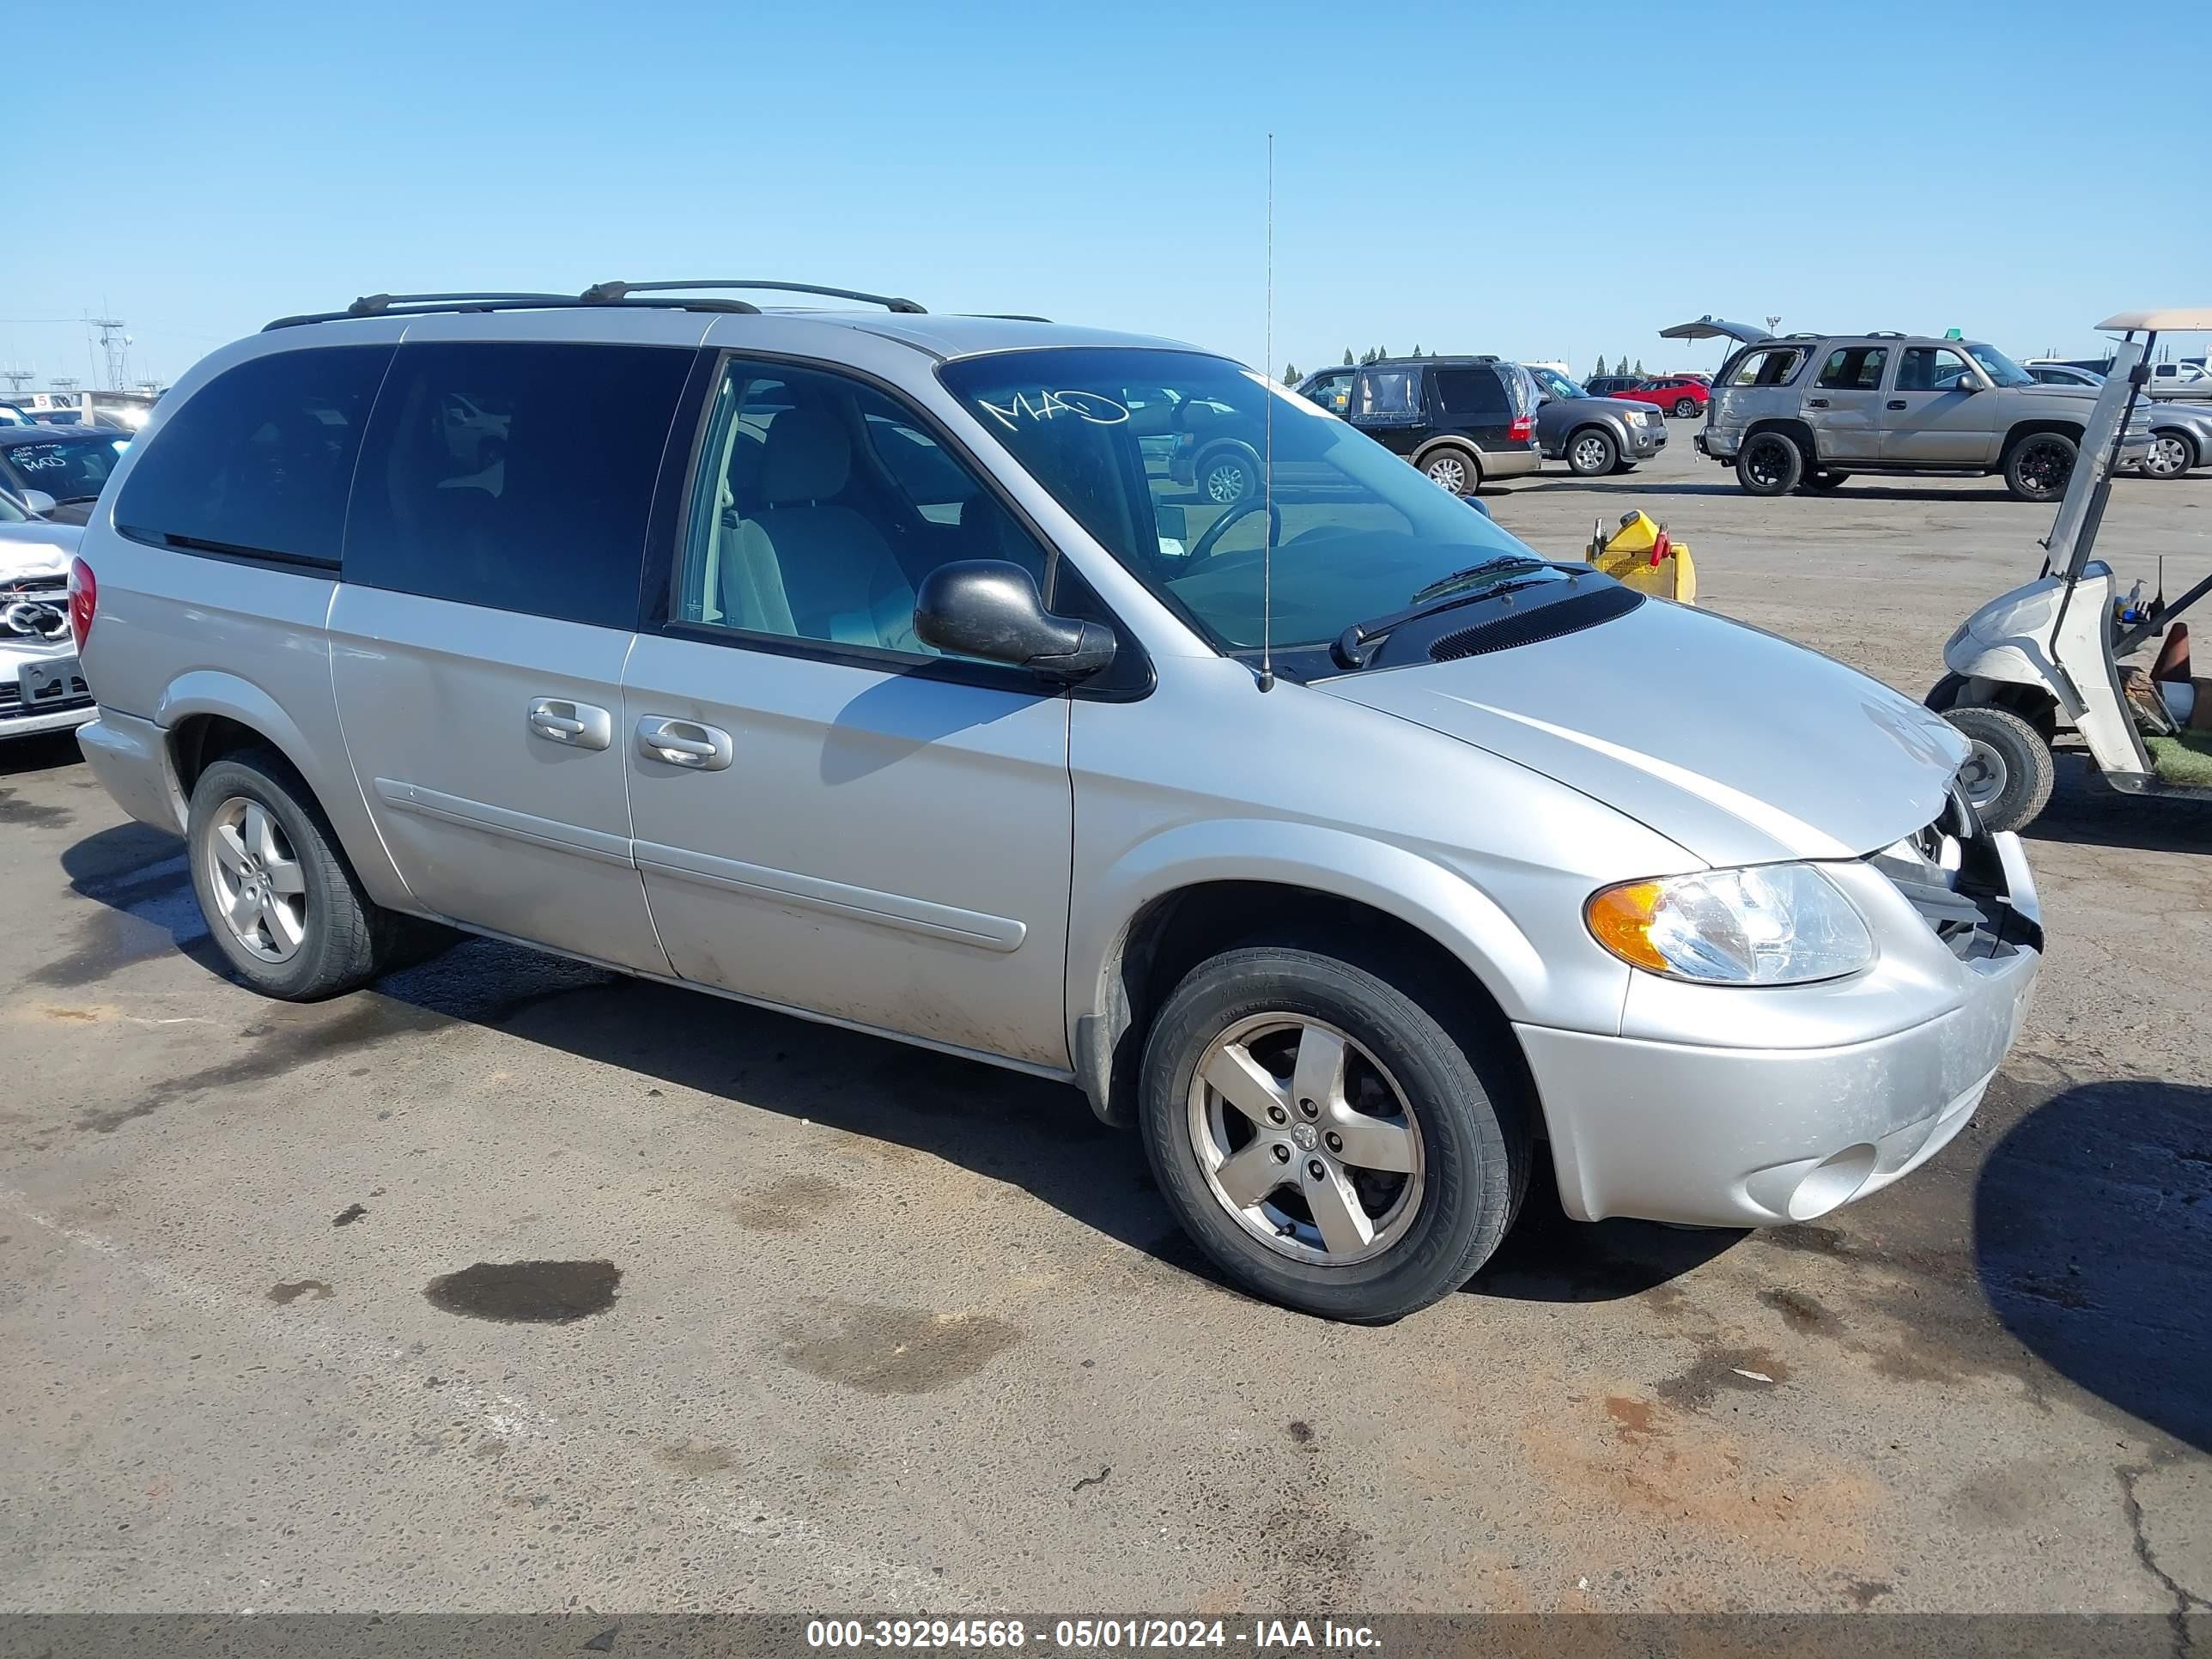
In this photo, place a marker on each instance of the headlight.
(1639, 416)
(1773, 924)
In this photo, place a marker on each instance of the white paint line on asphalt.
(503, 1415)
(837, 1560)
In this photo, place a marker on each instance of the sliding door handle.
(573, 725)
(1897, 402)
(684, 743)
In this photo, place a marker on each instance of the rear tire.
(1435, 1205)
(2009, 774)
(1454, 470)
(2036, 468)
(281, 902)
(1592, 452)
(1769, 464)
(1684, 408)
(1228, 477)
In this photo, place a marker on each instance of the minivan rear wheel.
(2036, 468)
(1326, 1139)
(282, 903)
(1769, 464)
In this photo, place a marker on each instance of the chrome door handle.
(684, 743)
(574, 725)
(1897, 402)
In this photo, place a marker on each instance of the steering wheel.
(1202, 549)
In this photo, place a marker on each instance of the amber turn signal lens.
(1620, 918)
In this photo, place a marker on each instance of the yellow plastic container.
(1641, 555)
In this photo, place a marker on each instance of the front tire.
(1591, 452)
(282, 903)
(2036, 468)
(1454, 470)
(2010, 771)
(2171, 456)
(1326, 1139)
(1769, 464)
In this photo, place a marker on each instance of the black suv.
(1461, 420)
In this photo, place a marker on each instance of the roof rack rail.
(602, 291)
(421, 305)
(1007, 316)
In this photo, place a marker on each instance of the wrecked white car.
(41, 687)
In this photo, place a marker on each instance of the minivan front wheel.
(1324, 1138)
(1769, 464)
(2038, 465)
(281, 902)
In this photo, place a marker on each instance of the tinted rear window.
(259, 460)
(518, 477)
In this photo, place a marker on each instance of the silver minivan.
(866, 665)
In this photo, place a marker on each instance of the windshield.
(13, 511)
(1359, 533)
(1999, 367)
(69, 469)
(1556, 384)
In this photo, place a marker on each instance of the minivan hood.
(1740, 746)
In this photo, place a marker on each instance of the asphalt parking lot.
(840, 1325)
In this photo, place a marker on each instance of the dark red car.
(1677, 394)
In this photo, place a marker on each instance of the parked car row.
(911, 673)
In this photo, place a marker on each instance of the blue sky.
(1539, 180)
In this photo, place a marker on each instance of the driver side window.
(819, 508)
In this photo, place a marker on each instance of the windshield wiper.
(1349, 649)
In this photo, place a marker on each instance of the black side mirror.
(990, 609)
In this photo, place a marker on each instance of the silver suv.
(1809, 410)
(874, 666)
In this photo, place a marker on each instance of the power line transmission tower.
(114, 345)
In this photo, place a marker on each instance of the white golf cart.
(2042, 662)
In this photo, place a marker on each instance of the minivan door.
(830, 817)
(494, 551)
(1844, 403)
(1934, 415)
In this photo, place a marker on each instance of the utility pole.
(114, 345)
(17, 379)
(1773, 324)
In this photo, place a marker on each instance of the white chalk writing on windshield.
(1094, 407)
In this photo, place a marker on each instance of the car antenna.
(1268, 461)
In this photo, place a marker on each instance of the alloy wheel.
(1450, 471)
(1589, 454)
(1226, 484)
(1306, 1139)
(2045, 464)
(260, 890)
(1767, 463)
(2168, 457)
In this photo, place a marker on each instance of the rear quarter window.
(258, 460)
(1766, 365)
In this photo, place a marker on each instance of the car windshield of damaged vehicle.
(69, 467)
(1358, 534)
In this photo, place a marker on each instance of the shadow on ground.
(2092, 1241)
(1026, 1131)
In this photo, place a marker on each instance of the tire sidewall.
(312, 964)
(1752, 446)
(2027, 760)
(1611, 452)
(1220, 459)
(1469, 1179)
(2018, 486)
(1471, 467)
